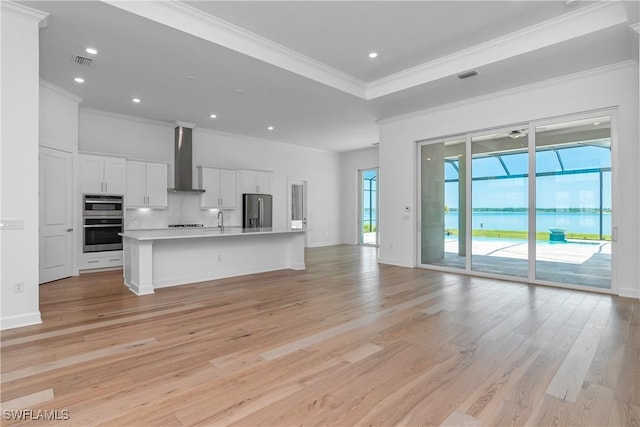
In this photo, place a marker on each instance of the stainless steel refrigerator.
(256, 211)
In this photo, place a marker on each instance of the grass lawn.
(523, 235)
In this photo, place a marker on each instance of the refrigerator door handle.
(261, 209)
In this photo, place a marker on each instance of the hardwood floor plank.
(89, 326)
(340, 329)
(509, 414)
(592, 408)
(460, 419)
(490, 395)
(29, 400)
(624, 414)
(607, 364)
(628, 384)
(347, 342)
(567, 382)
(531, 386)
(69, 361)
(360, 353)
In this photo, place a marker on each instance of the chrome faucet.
(221, 223)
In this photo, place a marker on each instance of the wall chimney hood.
(183, 166)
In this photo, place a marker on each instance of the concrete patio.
(586, 263)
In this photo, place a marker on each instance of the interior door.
(56, 219)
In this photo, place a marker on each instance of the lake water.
(518, 221)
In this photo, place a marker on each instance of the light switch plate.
(11, 224)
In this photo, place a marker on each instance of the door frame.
(360, 190)
(305, 205)
(531, 125)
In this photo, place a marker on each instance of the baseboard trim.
(322, 244)
(19, 321)
(395, 262)
(629, 293)
(223, 274)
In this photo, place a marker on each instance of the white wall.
(145, 140)
(58, 118)
(615, 86)
(351, 162)
(19, 168)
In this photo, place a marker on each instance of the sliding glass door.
(443, 209)
(573, 202)
(499, 202)
(551, 226)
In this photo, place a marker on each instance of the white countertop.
(193, 233)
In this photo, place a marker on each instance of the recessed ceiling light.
(373, 55)
(79, 80)
(137, 100)
(238, 91)
(270, 128)
(91, 51)
(213, 116)
(596, 123)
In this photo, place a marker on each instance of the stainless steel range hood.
(183, 166)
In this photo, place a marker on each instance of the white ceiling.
(405, 34)
(303, 66)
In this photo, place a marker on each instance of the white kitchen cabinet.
(94, 260)
(146, 185)
(102, 174)
(220, 188)
(253, 181)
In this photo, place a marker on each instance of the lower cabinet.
(91, 261)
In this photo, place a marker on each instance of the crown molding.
(181, 124)
(199, 130)
(75, 98)
(190, 20)
(120, 116)
(42, 18)
(587, 20)
(246, 138)
(506, 92)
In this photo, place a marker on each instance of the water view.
(573, 222)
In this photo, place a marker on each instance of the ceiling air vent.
(467, 75)
(517, 134)
(81, 60)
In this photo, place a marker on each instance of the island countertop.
(196, 233)
(158, 258)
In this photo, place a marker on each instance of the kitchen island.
(168, 257)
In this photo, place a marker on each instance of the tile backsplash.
(184, 208)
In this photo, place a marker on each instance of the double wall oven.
(103, 219)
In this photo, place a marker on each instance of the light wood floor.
(346, 342)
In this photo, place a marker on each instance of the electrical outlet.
(219, 257)
(18, 287)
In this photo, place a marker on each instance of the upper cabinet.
(102, 174)
(146, 184)
(220, 188)
(252, 181)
